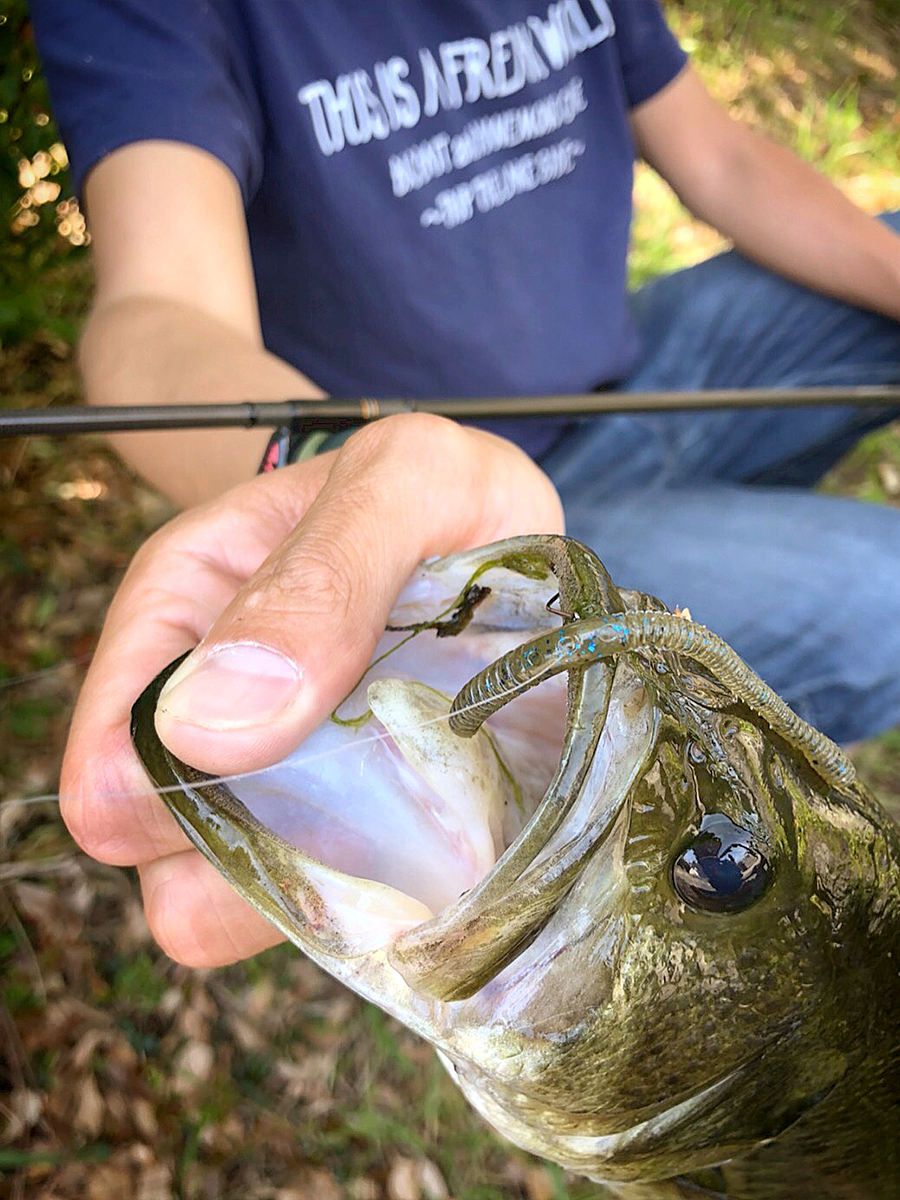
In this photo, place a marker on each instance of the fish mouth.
(398, 836)
(370, 828)
(390, 832)
(409, 811)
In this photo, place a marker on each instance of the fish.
(648, 918)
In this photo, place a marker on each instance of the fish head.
(707, 980)
(656, 980)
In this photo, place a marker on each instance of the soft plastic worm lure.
(580, 643)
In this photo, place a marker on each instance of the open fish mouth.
(386, 830)
(405, 821)
(389, 821)
(396, 819)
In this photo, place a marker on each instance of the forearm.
(782, 213)
(145, 350)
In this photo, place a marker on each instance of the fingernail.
(231, 687)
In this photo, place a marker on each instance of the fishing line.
(32, 676)
(369, 739)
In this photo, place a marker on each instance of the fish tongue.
(467, 790)
(447, 796)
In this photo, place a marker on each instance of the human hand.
(288, 580)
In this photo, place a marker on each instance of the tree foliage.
(42, 226)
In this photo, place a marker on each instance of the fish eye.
(720, 871)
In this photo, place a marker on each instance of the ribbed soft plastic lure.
(650, 920)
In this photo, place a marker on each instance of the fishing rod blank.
(338, 414)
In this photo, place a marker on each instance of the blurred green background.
(120, 1073)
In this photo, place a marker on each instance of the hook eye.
(557, 612)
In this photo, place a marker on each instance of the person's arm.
(175, 316)
(776, 209)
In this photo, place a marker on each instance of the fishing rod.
(337, 414)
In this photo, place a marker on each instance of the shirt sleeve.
(649, 52)
(122, 71)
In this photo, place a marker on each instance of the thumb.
(298, 635)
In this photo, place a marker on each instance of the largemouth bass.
(649, 918)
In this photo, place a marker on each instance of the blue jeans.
(714, 510)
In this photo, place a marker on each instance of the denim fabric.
(713, 510)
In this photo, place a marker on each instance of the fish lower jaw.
(637, 1154)
(372, 915)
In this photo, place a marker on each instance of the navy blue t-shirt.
(438, 192)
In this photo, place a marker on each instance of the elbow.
(718, 180)
(114, 336)
(717, 184)
(90, 345)
(125, 342)
(101, 353)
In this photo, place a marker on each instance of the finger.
(179, 582)
(197, 917)
(297, 637)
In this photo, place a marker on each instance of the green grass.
(822, 79)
